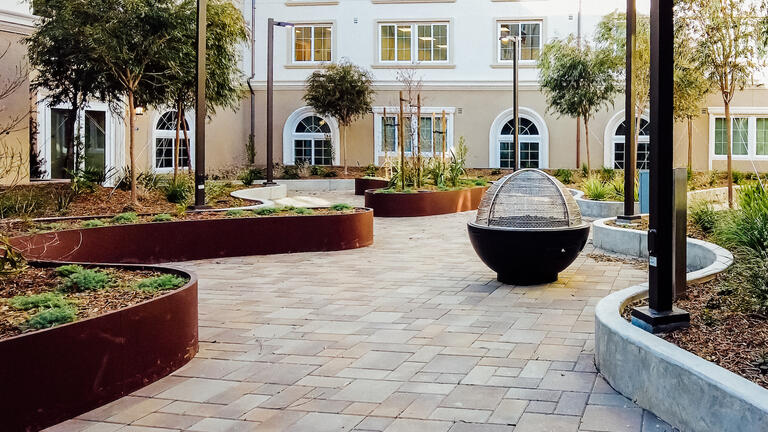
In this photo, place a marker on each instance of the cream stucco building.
(454, 47)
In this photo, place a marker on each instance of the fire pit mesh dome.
(528, 198)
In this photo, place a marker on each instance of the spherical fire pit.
(528, 228)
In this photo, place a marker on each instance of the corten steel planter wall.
(363, 184)
(159, 242)
(55, 374)
(427, 203)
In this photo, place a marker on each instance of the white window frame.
(312, 26)
(751, 114)
(414, 42)
(289, 135)
(114, 147)
(495, 137)
(500, 23)
(378, 113)
(610, 139)
(156, 133)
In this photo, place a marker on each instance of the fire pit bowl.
(528, 228)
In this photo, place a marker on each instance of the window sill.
(311, 2)
(531, 65)
(306, 66)
(413, 65)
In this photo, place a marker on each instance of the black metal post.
(516, 89)
(200, 106)
(270, 99)
(660, 315)
(630, 145)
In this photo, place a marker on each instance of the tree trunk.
(344, 132)
(729, 131)
(586, 137)
(131, 138)
(177, 143)
(578, 142)
(690, 145)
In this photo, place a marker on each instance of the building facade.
(456, 49)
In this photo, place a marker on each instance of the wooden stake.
(401, 137)
(418, 140)
(444, 133)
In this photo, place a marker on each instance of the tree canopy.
(577, 81)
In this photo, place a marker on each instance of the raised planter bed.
(363, 184)
(55, 374)
(599, 209)
(423, 203)
(149, 243)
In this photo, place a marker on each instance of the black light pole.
(661, 316)
(200, 106)
(515, 89)
(630, 146)
(271, 23)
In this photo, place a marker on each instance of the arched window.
(165, 139)
(312, 142)
(643, 142)
(530, 144)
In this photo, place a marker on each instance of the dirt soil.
(721, 334)
(642, 225)
(36, 280)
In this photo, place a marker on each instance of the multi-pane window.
(165, 140)
(643, 145)
(312, 43)
(406, 42)
(312, 142)
(762, 137)
(530, 40)
(740, 134)
(430, 137)
(530, 144)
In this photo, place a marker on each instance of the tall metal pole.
(630, 146)
(270, 99)
(200, 106)
(578, 118)
(515, 89)
(252, 117)
(660, 316)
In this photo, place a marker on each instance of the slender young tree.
(226, 30)
(58, 52)
(127, 40)
(728, 51)
(611, 35)
(342, 91)
(577, 81)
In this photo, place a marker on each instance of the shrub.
(150, 180)
(235, 213)
(564, 175)
(265, 211)
(249, 176)
(747, 226)
(53, 226)
(607, 174)
(496, 171)
(125, 218)
(290, 172)
(86, 280)
(93, 223)
(303, 211)
(22, 202)
(370, 170)
(36, 301)
(331, 173)
(162, 217)
(458, 161)
(52, 317)
(738, 177)
(480, 182)
(748, 278)
(68, 270)
(595, 189)
(341, 207)
(704, 216)
(161, 283)
(584, 170)
(317, 170)
(180, 190)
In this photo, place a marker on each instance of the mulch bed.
(642, 225)
(37, 280)
(720, 333)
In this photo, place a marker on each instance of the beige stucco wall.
(227, 131)
(15, 106)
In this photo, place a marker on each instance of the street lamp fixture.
(515, 89)
(200, 105)
(271, 24)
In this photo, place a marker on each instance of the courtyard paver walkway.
(411, 334)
